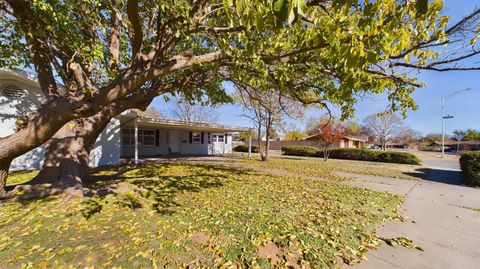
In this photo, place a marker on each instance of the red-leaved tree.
(328, 135)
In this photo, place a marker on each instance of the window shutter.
(190, 137)
(226, 138)
(209, 138)
(157, 138)
(201, 137)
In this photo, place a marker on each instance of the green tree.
(295, 135)
(471, 135)
(352, 128)
(319, 52)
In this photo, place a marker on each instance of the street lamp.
(444, 101)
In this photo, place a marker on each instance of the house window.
(218, 138)
(196, 138)
(128, 137)
(145, 137)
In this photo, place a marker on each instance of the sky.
(465, 106)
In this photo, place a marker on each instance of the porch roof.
(129, 118)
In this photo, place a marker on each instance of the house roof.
(454, 142)
(24, 77)
(129, 116)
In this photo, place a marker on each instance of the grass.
(197, 215)
(22, 176)
(316, 167)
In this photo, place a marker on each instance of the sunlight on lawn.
(18, 177)
(317, 167)
(178, 215)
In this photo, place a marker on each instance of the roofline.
(345, 136)
(19, 76)
(185, 124)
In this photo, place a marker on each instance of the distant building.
(453, 144)
(347, 141)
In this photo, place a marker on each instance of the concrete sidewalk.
(444, 220)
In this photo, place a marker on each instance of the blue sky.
(465, 107)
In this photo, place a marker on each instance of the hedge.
(354, 154)
(244, 148)
(470, 165)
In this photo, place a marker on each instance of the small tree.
(267, 109)
(327, 135)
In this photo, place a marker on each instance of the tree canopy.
(91, 53)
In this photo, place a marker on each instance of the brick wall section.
(277, 145)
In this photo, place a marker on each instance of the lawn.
(196, 215)
(317, 167)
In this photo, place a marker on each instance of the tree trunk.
(259, 138)
(267, 144)
(67, 154)
(3, 177)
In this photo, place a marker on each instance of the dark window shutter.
(157, 138)
(225, 138)
(190, 138)
(209, 138)
(201, 137)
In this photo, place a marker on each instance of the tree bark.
(3, 177)
(67, 155)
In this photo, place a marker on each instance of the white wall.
(193, 149)
(106, 150)
(13, 108)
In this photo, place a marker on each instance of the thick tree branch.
(114, 42)
(136, 35)
(39, 51)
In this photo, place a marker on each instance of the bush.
(244, 148)
(354, 154)
(301, 151)
(470, 164)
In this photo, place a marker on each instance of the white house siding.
(11, 108)
(192, 148)
(106, 150)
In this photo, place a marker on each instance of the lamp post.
(444, 101)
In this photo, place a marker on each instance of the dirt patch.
(200, 238)
(269, 250)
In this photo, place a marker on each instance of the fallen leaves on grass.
(170, 210)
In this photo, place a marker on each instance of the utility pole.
(444, 101)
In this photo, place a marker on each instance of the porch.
(155, 137)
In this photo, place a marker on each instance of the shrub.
(244, 148)
(470, 164)
(301, 151)
(354, 154)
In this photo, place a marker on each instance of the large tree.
(385, 127)
(321, 51)
(267, 109)
(202, 111)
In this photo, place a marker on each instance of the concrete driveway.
(443, 219)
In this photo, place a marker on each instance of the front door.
(174, 141)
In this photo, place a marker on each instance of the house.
(347, 141)
(453, 144)
(127, 136)
(310, 141)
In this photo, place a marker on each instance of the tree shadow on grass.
(150, 184)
